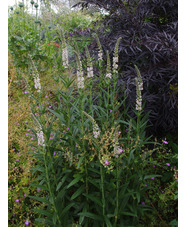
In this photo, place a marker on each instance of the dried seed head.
(96, 130)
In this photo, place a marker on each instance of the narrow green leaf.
(107, 221)
(66, 209)
(81, 219)
(61, 193)
(74, 181)
(39, 186)
(43, 212)
(90, 215)
(110, 215)
(59, 185)
(129, 214)
(150, 176)
(44, 221)
(96, 184)
(80, 161)
(138, 196)
(54, 219)
(41, 220)
(94, 199)
(94, 170)
(78, 192)
(43, 200)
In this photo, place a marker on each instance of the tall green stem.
(102, 190)
(117, 193)
(68, 120)
(84, 150)
(91, 99)
(108, 93)
(49, 186)
(113, 97)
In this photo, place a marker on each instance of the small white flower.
(96, 130)
(80, 84)
(96, 134)
(80, 79)
(109, 75)
(90, 72)
(40, 138)
(100, 55)
(65, 57)
(139, 87)
(37, 84)
(115, 59)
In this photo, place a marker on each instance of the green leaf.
(131, 156)
(94, 170)
(66, 209)
(138, 196)
(81, 219)
(129, 214)
(80, 161)
(95, 182)
(90, 215)
(40, 220)
(59, 185)
(107, 221)
(78, 192)
(54, 219)
(94, 199)
(43, 200)
(43, 212)
(60, 116)
(149, 176)
(74, 181)
(39, 186)
(61, 193)
(44, 221)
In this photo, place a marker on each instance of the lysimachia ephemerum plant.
(90, 171)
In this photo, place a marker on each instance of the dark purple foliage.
(149, 39)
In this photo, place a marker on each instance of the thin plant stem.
(113, 97)
(117, 193)
(102, 190)
(108, 99)
(84, 150)
(49, 186)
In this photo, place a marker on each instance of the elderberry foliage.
(149, 40)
